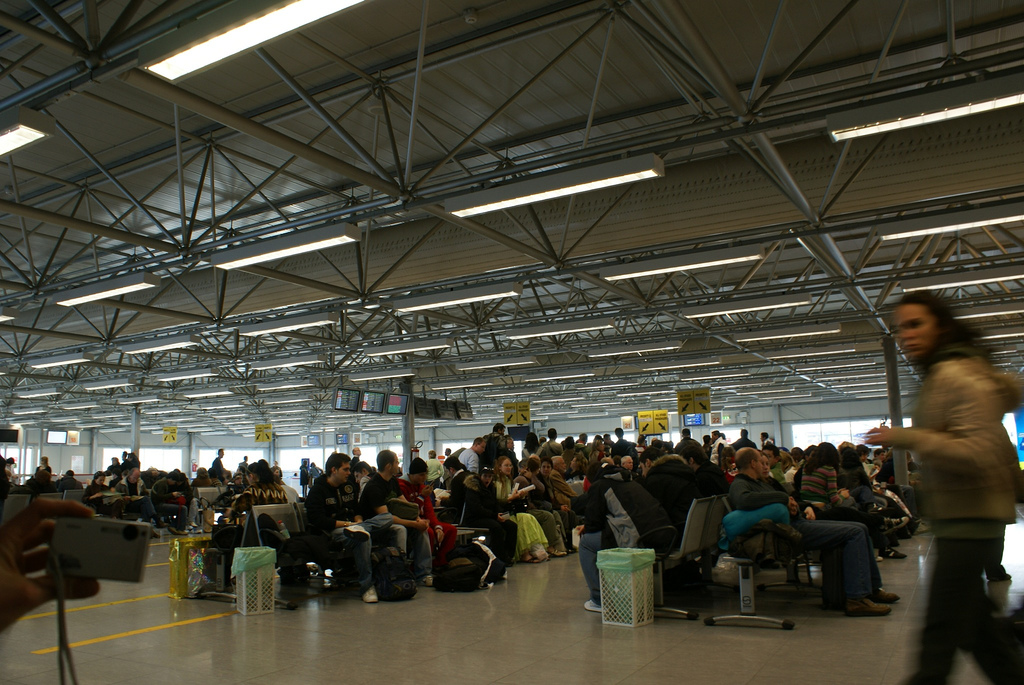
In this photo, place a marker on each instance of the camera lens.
(130, 532)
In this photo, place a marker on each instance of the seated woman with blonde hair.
(539, 507)
(529, 531)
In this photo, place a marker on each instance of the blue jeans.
(179, 513)
(379, 528)
(860, 572)
(590, 544)
(415, 544)
(143, 506)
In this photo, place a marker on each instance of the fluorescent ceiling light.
(141, 399)
(407, 347)
(288, 323)
(25, 412)
(556, 376)
(450, 298)
(173, 343)
(460, 386)
(296, 401)
(991, 310)
(788, 332)
(687, 262)
(559, 400)
(559, 328)
(746, 305)
(109, 287)
(619, 350)
(185, 375)
(510, 393)
(679, 365)
(107, 384)
(611, 385)
(858, 385)
(964, 278)
(64, 360)
(22, 126)
(292, 243)
(302, 360)
(810, 352)
(928, 107)
(496, 363)
(8, 313)
(284, 385)
(836, 365)
(959, 220)
(29, 393)
(558, 184)
(196, 394)
(383, 373)
(227, 31)
(79, 405)
(1005, 333)
(155, 412)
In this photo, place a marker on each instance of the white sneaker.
(357, 533)
(591, 605)
(370, 596)
(428, 581)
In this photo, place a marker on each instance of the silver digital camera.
(100, 548)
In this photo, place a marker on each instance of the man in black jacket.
(674, 485)
(622, 447)
(744, 441)
(331, 507)
(619, 513)
(38, 484)
(710, 479)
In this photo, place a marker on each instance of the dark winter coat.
(674, 485)
(625, 514)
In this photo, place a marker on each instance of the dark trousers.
(960, 616)
(501, 535)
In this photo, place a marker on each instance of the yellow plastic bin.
(178, 558)
(253, 570)
(627, 586)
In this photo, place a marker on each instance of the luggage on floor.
(391, 576)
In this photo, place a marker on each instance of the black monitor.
(423, 408)
(56, 437)
(9, 435)
(463, 410)
(397, 404)
(372, 402)
(693, 419)
(346, 399)
(445, 410)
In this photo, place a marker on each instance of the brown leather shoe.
(880, 596)
(865, 607)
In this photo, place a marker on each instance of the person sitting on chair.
(416, 490)
(102, 498)
(136, 497)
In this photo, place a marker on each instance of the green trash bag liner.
(625, 560)
(252, 558)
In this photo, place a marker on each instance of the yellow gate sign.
(660, 420)
(510, 414)
(522, 413)
(263, 432)
(646, 421)
(170, 434)
(702, 398)
(684, 402)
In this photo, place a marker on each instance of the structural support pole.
(777, 424)
(408, 428)
(892, 386)
(136, 437)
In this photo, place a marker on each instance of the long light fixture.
(496, 363)
(140, 399)
(289, 323)
(381, 375)
(639, 348)
(8, 313)
(111, 287)
(556, 376)
(990, 310)
(964, 278)
(557, 184)
(926, 108)
(25, 412)
(448, 298)
(959, 220)
(833, 365)
(667, 365)
(746, 305)
(407, 347)
(173, 343)
(107, 384)
(21, 126)
(64, 360)
(788, 332)
(460, 386)
(232, 29)
(79, 405)
(186, 375)
(811, 352)
(30, 393)
(561, 328)
(1016, 332)
(686, 262)
(301, 360)
(293, 243)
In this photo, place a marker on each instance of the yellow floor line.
(141, 631)
(93, 606)
(152, 565)
(157, 544)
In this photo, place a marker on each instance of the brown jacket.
(969, 466)
(561, 492)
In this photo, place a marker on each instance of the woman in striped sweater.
(818, 485)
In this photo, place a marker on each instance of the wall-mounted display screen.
(445, 409)
(9, 435)
(693, 419)
(464, 410)
(346, 399)
(56, 437)
(397, 404)
(372, 402)
(423, 408)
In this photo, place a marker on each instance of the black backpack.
(391, 576)
(459, 575)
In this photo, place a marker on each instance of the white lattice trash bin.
(253, 570)
(627, 586)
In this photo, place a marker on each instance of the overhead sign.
(715, 418)
(684, 401)
(660, 420)
(646, 421)
(628, 423)
(510, 414)
(702, 398)
(170, 434)
(263, 432)
(516, 413)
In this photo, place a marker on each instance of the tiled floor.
(530, 629)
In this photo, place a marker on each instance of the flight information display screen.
(346, 400)
(398, 404)
(372, 402)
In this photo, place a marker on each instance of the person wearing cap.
(414, 488)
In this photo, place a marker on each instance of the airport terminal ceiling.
(758, 256)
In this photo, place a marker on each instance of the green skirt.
(529, 533)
